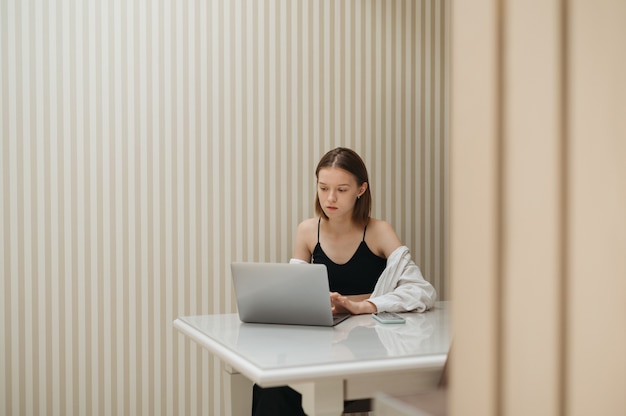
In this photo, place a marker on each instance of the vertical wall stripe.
(5, 375)
(7, 197)
(146, 145)
(34, 261)
(32, 206)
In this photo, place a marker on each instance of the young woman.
(369, 270)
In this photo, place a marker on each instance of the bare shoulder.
(308, 226)
(380, 228)
(306, 238)
(381, 237)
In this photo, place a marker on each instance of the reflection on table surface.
(356, 339)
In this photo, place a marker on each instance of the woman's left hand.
(356, 305)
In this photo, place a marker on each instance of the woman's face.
(337, 191)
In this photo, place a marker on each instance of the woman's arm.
(302, 245)
(401, 287)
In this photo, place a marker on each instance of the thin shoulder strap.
(319, 220)
(364, 229)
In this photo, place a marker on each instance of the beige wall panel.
(147, 144)
(474, 239)
(596, 363)
(532, 208)
(537, 219)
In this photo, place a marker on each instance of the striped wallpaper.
(147, 144)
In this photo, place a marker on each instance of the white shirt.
(401, 286)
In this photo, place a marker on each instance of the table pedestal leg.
(237, 393)
(322, 398)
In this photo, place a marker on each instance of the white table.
(352, 360)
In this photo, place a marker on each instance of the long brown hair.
(350, 161)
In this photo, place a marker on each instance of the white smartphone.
(388, 318)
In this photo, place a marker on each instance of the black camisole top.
(356, 277)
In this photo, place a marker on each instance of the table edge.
(273, 377)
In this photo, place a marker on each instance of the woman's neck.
(343, 226)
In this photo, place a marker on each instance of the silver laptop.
(283, 293)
